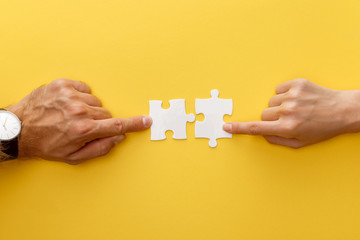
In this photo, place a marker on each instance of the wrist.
(351, 110)
(18, 111)
(15, 109)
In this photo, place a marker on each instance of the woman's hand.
(303, 113)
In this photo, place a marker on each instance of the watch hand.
(5, 123)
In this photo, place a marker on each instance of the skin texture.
(303, 113)
(63, 121)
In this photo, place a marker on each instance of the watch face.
(10, 125)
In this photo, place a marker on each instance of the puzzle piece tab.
(174, 119)
(214, 109)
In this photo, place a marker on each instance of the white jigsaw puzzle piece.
(173, 118)
(214, 109)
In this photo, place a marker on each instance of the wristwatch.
(10, 128)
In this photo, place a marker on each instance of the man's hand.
(62, 121)
(303, 113)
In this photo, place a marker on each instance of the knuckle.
(290, 128)
(289, 108)
(81, 128)
(67, 93)
(77, 109)
(61, 82)
(119, 125)
(292, 94)
(286, 127)
(254, 129)
(301, 81)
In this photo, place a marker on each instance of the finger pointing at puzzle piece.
(214, 110)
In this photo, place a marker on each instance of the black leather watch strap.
(10, 148)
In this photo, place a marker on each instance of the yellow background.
(131, 51)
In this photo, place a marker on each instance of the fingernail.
(227, 127)
(119, 139)
(147, 121)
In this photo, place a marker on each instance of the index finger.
(119, 126)
(254, 127)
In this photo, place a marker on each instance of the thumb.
(96, 148)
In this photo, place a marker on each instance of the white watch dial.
(10, 125)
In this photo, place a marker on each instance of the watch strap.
(10, 148)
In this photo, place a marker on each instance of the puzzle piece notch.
(214, 109)
(173, 118)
